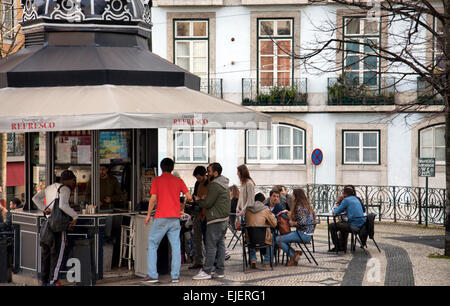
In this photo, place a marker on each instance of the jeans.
(339, 233)
(161, 227)
(252, 253)
(198, 240)
(289, 238)
(215, 247)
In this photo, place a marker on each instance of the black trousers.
(53, 258)
(339, 234)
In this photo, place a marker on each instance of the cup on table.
(83, 211)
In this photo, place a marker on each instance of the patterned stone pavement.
(403, 261)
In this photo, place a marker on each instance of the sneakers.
(149, 280)
(202, 275)
(267, 266)
(219, 275)
(176, 280)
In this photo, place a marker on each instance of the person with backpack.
(54, 251)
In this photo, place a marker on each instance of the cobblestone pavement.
(403, 261)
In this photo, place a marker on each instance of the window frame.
(275, 147)
(191, 39)
(359, 39)
(436, 51)
(433, 127)
(361, 147)
(275, 37)
(191, 146)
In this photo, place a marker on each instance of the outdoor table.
(328, 215)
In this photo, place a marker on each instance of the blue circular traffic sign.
(316, 157)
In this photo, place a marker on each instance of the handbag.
(283, 225)
(58, 221)
(46, 236)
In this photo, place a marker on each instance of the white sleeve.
(38, 199)
(64, 196)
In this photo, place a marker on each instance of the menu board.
(114, 145)
(148, 174)
(73, 148)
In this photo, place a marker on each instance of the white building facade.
(241, 50)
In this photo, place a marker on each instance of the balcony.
(426, 94)
(345, 91)
(264, 92)
(212, 87)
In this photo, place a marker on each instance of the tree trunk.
(3, 150)
(447, 176)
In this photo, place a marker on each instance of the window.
(432, 143)
(361, 63)
(275, 40)
(361, 147)
(7, 18)
(191, 147)
(15, 144)
(281, 144)
(438, 56)
(192, 46)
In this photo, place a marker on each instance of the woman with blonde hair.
(303, 217)
(247, 194)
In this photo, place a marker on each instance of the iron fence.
(345, 91)
(390, 203)
(281, 91)
(212, 86)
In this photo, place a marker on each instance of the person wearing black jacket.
(6, 225)
(199, 223)
(234, 194)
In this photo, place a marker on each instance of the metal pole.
(420, 207)
(395, 208)
(426, 201)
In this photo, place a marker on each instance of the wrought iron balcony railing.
(345, 91)
(426, 94)
(214, 87)
(261, 92)
(391, 203)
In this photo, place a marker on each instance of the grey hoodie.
(256, 207)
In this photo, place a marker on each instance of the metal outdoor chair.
(235, 232)
(367, 230)
(299, 244)
(256, 240)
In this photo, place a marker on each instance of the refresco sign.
(31, 126)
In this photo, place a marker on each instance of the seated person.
(274, 202)
(355, 214)
(15, 204)
(110, 191)
(257, 214)
(303, 217)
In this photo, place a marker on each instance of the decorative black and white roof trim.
(87, 11)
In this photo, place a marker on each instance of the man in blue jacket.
(356, 219)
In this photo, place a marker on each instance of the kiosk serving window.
(73, 151)
(38, 162)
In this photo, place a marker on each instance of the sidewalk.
(403, 261)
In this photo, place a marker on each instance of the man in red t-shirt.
(165, 192)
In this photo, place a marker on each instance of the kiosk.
(87, 91)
